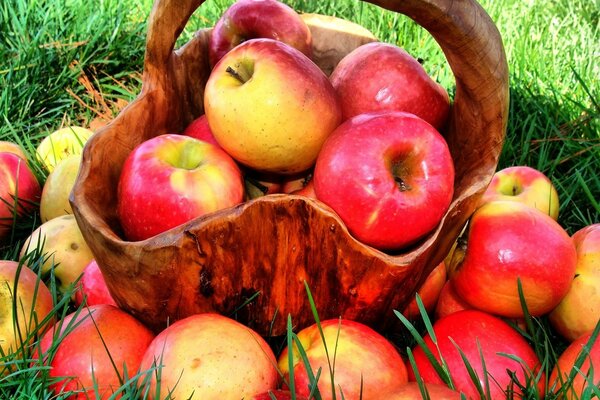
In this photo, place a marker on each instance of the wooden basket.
(272, 245)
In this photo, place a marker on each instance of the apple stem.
(235, 74)
(403, 186)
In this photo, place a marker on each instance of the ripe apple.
(98, 348)
(11, 147)
(278, 395)
(477, 334)
(209, 356)
(411, 391)
(389, 175)
(92, 287)
(251, 19)
(449, 302)
(566, 363)
(23, 291)
(20, 191)
(429, 292)
(270, 107)
(508, 241)
(171, 179)
(524, 184)
(579, 311)
(380, 76)
(365, 362)
(60, 144)
(57, 188)
(200, 130)
(61, 245)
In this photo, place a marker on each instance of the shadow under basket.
(252, 261)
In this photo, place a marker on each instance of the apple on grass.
(579, 311)
(61, 144)
(412, 391)
(270, 107)
(509, 241)
(11, 147)
(92, 287)
(365, 362)
(383, 77)
(93, 351)
(20, 191)
(478, 334)
(429, 292)
(251, 19)
(57, 188)
(171, 179)
(526, 185)
(389, 176)
(208, 356)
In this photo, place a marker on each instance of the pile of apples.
(366, 141)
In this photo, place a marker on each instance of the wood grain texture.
(272, 245)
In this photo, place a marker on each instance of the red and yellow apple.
(383, 77)
(509, 241)
(209, 356)
(429, 292)
(579, 311)
(171, 179)
(61, 144)
(388, 175)
(525, 184)
(57, 188)
(365, 362)
(412, 391)
(449, 302)
(277, 395)
(251, 19)
(11, 147)
(270, 107)
(92, 287)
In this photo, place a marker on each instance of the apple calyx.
(242, 71)
(399, 169)
(511, 189)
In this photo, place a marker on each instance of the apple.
(579, 311)
(200, 130)
(478, 334)
(91, 352)
(171, 179)
(389, 175)
(57, 188)
(251, 19)
(60, 144)
(209, 356)
(258, 184)
(380, 76)
(92, 287)
(21, 291)
(62, 249)
(365, 362)
(565, 365)
(429, 292)
(20, 191)
(277, 395)
(411, 391)
(508, 241)
(11, 147)
(449, 302)
(525, 184)
(270, 107)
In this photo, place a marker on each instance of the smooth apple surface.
(251, 19)
(510, 241)
(365, 362)
(20, 191)
(383, 77)
(57, 188)
(199, 129)
(209, 356)
(429, 292)
(11, 147)
(449, 302)
(478, 334)
(171, 179)
(525, 184)
(412, 391)
(278, 395)
(389, 176)
(97, 349)
(579, 311)
(270, 107)
(92, 287)
(61, 144)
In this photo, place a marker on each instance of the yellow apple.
(60, 144)
(64, 250)
(57, 188)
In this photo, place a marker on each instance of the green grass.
(67, 61)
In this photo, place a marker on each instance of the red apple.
(171, 179)
(200, 130)
(380, 76)
(20, 191)
(429, 292)
(93, 289)
(411, 391)
(449, 302)
(250, 19)
(11, 147)
(579, 311)
(270, 107)
(94, 349)
(524, 184)
(365, 362)
(209, 356)
(278, 395)
(508, 241)
(478, 334)
(566, 365)
(389, 175)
